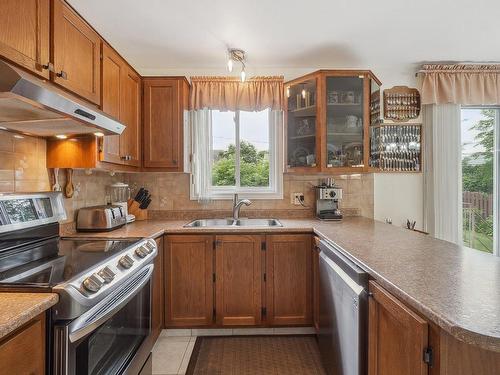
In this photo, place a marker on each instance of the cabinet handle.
(174, 161)
(62, 74)
(126, 157)
(49, 66)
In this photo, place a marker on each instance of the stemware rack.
(401, 104)
(396, 147)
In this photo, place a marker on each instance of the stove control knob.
(93, 283)
(150, 247)
(141, 252)
(126, 261)
(106, 274)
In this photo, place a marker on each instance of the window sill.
(242, 195)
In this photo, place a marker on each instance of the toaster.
(100, 218)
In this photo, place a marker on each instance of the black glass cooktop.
(53, 261)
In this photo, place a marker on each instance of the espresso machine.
(328, 197)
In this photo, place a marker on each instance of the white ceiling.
(162, 36)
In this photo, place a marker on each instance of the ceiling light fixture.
(237, 55)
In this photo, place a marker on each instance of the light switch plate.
(295, 199)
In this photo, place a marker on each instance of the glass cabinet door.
(301, 124)
(344, 121)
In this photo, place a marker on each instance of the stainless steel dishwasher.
(343, 317)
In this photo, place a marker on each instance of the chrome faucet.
(237, 206)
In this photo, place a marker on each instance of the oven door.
(105, 339)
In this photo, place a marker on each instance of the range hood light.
(99, 134)
(18, 136)
(61, 136)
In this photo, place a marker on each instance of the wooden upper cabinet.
(76, 52)
(189, 281)
(327, 121)
(130, 139)
(121, 99)
(112, 71)
(289, 279)
(165, 101)
(239, 277)
(397, 336)
(24, 36)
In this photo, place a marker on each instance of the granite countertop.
(454, 287)
(17, 309)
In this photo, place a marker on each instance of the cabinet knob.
(49, 66)
(126, 157)
(62, 74)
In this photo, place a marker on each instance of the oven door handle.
(105, 309)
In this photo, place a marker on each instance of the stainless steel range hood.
(37, 107)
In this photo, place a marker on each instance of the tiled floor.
(173, 349)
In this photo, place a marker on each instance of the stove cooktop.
(56, 261)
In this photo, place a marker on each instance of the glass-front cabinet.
(301, 130)
(328, 119)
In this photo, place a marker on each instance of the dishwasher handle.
(336, 254)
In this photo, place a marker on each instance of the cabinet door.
(397, 336)
(76, 53)
(346, 122)
(289, 282)
(130, 139)
(303, 135)
(157, 300)
(238, 280)
(189, 289)
(112, 72)
(163, 124)
(24, 351)
(25, 29)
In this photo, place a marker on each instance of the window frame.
(496, 176)
(275, 188)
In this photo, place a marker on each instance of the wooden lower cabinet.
(23, 352)
(288, 279)
(189, 292)
(397, 336)
(238, 289)
(157, 300)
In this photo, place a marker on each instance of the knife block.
(133, 208)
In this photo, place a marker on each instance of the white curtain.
(202, 151)
(443, 171)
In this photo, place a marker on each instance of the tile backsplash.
(22, 169)
(170, 193)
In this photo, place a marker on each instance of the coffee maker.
(328, 197)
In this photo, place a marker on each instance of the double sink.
(229, 223)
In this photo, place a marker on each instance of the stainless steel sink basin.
(228, 223)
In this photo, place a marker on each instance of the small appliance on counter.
(328, 197)
(119, 195)
(100, 218)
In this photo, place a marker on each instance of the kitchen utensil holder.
(139, 213)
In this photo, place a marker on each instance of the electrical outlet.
(296, 198)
